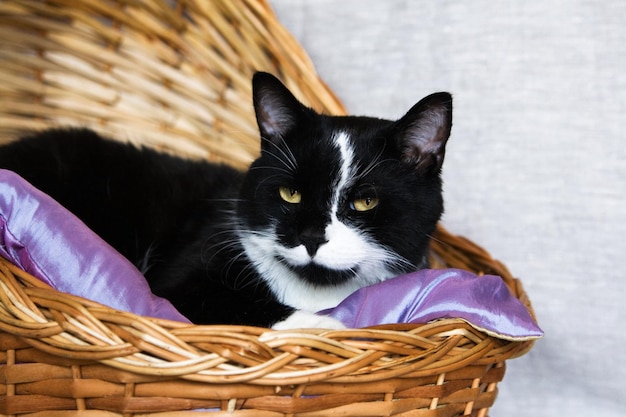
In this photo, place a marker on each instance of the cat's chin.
(321, 276)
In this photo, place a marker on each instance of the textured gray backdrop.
(536, 165)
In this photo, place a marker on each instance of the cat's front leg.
(304, 320)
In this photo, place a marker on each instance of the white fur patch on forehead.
(346, 170)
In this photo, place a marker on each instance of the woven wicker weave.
(177, 77)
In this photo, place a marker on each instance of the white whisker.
(286, 156)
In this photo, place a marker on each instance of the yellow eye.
(290, 195)
(364, 204)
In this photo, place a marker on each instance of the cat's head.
(335, 203)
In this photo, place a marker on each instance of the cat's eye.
(364, 204)
(290, 195)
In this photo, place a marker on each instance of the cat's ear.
(423, 132)
(277, 110)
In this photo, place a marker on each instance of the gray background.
(536, 166)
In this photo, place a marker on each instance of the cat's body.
(332, 204)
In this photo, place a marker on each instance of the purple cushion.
(43, 238)
(484, 302)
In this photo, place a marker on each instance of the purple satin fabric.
(420, 297)
(44, 239)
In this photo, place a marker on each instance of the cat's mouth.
(320, 275)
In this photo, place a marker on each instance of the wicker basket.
(176, 76)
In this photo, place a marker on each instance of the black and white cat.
(331, 205)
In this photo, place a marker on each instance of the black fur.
(181, 221)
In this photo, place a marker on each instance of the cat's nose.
(312, 239)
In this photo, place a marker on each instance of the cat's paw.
(304, 320)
